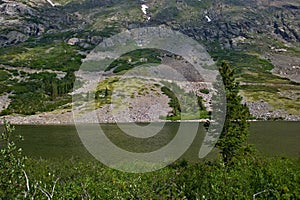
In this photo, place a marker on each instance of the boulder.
(13, 37)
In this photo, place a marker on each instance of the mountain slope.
(259, 38)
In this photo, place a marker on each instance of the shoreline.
(66, 117)
(59, 123)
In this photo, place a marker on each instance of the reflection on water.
(271, 138)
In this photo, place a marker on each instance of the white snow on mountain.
(144, 9)
(208, 18)
(51, 3)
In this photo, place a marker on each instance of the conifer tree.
(233, 139)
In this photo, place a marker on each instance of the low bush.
(59, 56)
(264, 178)
(134, 59)
(204, 91)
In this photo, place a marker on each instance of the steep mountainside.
(43, 42)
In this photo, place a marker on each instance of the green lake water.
(274, 138)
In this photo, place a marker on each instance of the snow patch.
(51, 3)
(144, 9)
(207, 18)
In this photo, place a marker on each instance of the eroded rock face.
(13, 29)
(13, 37)
(11, 8)
(276, 18)
(286, 66)
(33, 18)
(21, 19)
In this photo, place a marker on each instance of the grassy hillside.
(259, 38)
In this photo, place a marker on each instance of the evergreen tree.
(233, 139)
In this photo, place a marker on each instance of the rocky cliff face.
(220, 20)
(20, 20)
(248, 20)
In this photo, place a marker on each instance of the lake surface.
(62, 141)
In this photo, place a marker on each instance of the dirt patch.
(183, 68)
(4, 101)
(56, 117)
(59, 74)
(286, 66)
(264, 111)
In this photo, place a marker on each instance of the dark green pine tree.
(233, 139)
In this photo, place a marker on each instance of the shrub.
(204, 91)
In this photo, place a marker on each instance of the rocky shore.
(53, 118)
(263, 111)
(66, 118)
(259, 109)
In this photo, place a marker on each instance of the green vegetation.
(173, 103)
(104, 91)
(261, 84)
(77, 180)
(134, 59)
(249, 67)
(199, 4)
(168, 14)
(41, 92)
(237, 174)
(30, 104)
(248, 177)
(38, 92)
(232, 142)
(4, 75)
(176, 13)
(59, 56)
(279, 96)
(204, 91)
(49, 38)
(108, 31)
(123, 88)
(259, 88)
(185, 106)
(243, 62)
(11, 164)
